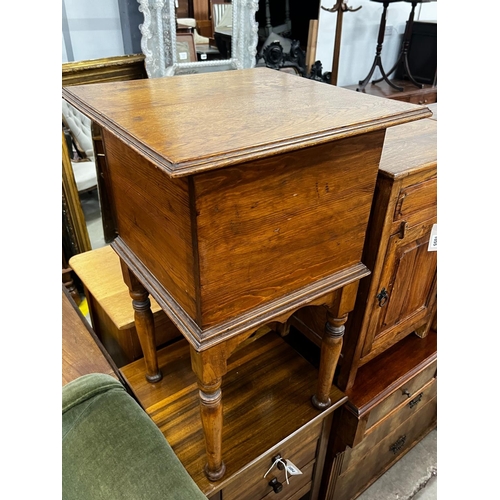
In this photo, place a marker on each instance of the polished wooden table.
(239, 197)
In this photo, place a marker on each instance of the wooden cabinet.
(388, 363)
(392, 406)
(399, 297)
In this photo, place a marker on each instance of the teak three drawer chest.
(238, 198)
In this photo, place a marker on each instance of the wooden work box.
(392, 406)
(240, 218)
(110, 307)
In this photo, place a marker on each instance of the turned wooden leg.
(209, 366)
(330, 352)
(144, 323)
(211, 418)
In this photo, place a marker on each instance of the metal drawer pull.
(407, 393)
(416, 400)
(398, 444)
(276, 485)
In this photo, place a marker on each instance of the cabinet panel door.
(407, 288)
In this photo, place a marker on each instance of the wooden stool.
(110, 309)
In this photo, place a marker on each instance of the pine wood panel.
(160, 117)
(277, 211)
(266, 401)
(153, 216)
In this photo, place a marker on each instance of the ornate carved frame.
(159, 38)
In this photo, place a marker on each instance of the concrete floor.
(413, 477)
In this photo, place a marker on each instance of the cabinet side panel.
(153, 219)
(270, 227)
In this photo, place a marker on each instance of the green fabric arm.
(111, 449)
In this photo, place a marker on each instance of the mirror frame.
(159, 38)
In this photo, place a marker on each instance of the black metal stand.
(403, 56)
(378, 60)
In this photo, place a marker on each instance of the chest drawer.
(389, 450)
(300, 450)
(404, 393)
(393, 420)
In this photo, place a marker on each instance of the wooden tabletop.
(100, 271)
(408, 147)
(81, 354)
(190, 123)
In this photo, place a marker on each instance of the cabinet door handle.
(416, 400)
(382, 297)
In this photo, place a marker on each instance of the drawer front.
(417, 202)
(388, 451)
(251, 484)
(427, 98)
(404, 393)
(395, 419)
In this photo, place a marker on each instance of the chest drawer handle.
(416, 400)
(382, 297)
(398, 444)
(276, 485)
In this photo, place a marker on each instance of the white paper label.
(292, 469)
(183, 56)
(203, 57)
(433, 240)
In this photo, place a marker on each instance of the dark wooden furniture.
(391, 407)
(81, 351)
(377, 62)
(422, 53)
(402, 62)
(425, 95)
(239, 225)
(403, 55)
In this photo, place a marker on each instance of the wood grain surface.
(266, 399)
(81, 354)
(186, 124)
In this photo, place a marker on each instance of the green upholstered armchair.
(111, 449)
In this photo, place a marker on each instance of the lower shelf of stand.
(266, 406)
